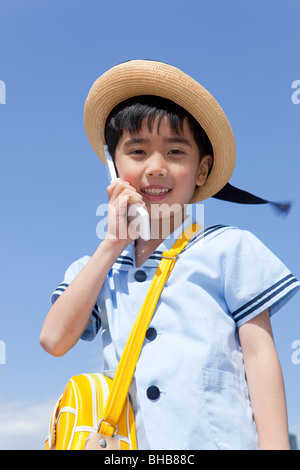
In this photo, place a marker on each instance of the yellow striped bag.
(79, 411)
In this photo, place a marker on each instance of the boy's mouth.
(155, 193)
(155, 189)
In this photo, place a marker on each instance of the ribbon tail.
(232, 194)
(282, 208)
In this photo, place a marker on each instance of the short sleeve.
(255, 279)
(70, 274)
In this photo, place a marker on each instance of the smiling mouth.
(156, 191)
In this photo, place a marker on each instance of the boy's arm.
(265, 381)
(70, 314)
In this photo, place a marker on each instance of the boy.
(172, 145)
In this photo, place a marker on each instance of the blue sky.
(51, 52)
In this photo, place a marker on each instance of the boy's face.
(163, 166)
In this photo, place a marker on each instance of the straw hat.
(147, 77)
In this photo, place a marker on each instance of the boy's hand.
(121, 194)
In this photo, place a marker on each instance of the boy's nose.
(156, 165)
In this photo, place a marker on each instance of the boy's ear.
(203, 170)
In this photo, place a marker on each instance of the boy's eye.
(176, 152)
(137, 152)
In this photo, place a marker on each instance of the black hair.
(130, 114)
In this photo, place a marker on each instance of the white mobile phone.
(138, 213)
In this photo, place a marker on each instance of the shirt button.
(140, 276)
(151, 334)
(153, 392)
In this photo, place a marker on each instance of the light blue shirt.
(189, 390)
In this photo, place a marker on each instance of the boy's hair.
(130, 114)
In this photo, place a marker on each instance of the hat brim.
(146, 77)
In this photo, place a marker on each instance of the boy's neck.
(160, 230)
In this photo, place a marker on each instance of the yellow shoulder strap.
(132, 349)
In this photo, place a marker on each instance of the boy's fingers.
(121, 187)
(117, 186)
(135, 200)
